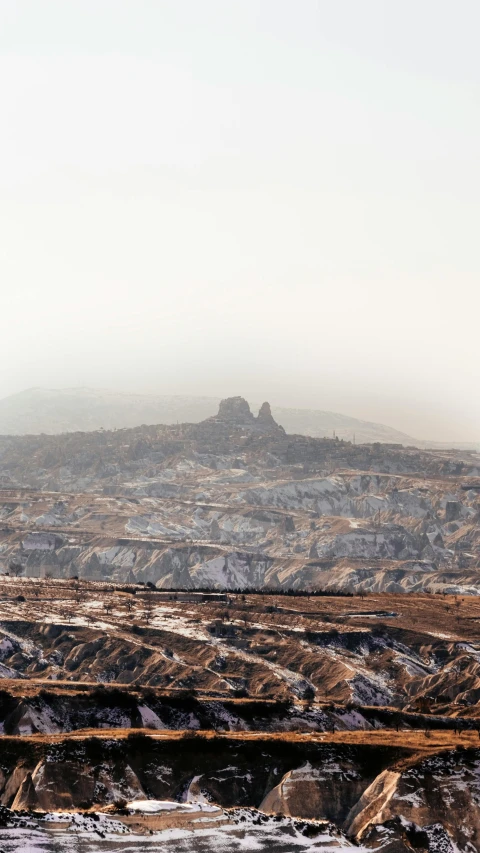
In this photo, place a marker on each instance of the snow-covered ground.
(242, 830)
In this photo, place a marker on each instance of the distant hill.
(318, 423)
(41, 410)
(50, 411)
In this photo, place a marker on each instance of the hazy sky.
(274, 198)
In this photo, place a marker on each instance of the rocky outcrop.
(372, 802)
(102, 770)
(11, 784)
(437, 798)
(402, 836)
(26, 798)
(383, 798)
(236, 412)
(323, 792)
(73, 785)
(265, 416)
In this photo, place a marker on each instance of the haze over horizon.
(247, 198)
(54, 411)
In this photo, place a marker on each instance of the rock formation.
(236, 412)
(265, 416)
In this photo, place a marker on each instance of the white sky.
(259, 197)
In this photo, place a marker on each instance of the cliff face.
(306, 779)
(442, 790)
(429, 806)
(328, 790)
(70, 785)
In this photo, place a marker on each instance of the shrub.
(240, 693)
(113, 697)
(192, 734)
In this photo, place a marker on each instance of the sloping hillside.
(285, 722)
(41, 410)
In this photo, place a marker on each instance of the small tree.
(309, 693)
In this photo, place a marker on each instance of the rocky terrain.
(414, 652)
(220, 635)
(123, 701)
(235, 502)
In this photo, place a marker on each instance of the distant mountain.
(41, 410)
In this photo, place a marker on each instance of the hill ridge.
(56, 410)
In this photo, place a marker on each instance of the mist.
(257, 198)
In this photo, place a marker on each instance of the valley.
(234, 502)
(220, 635)
(364, 710)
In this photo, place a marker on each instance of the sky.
(273, 198)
